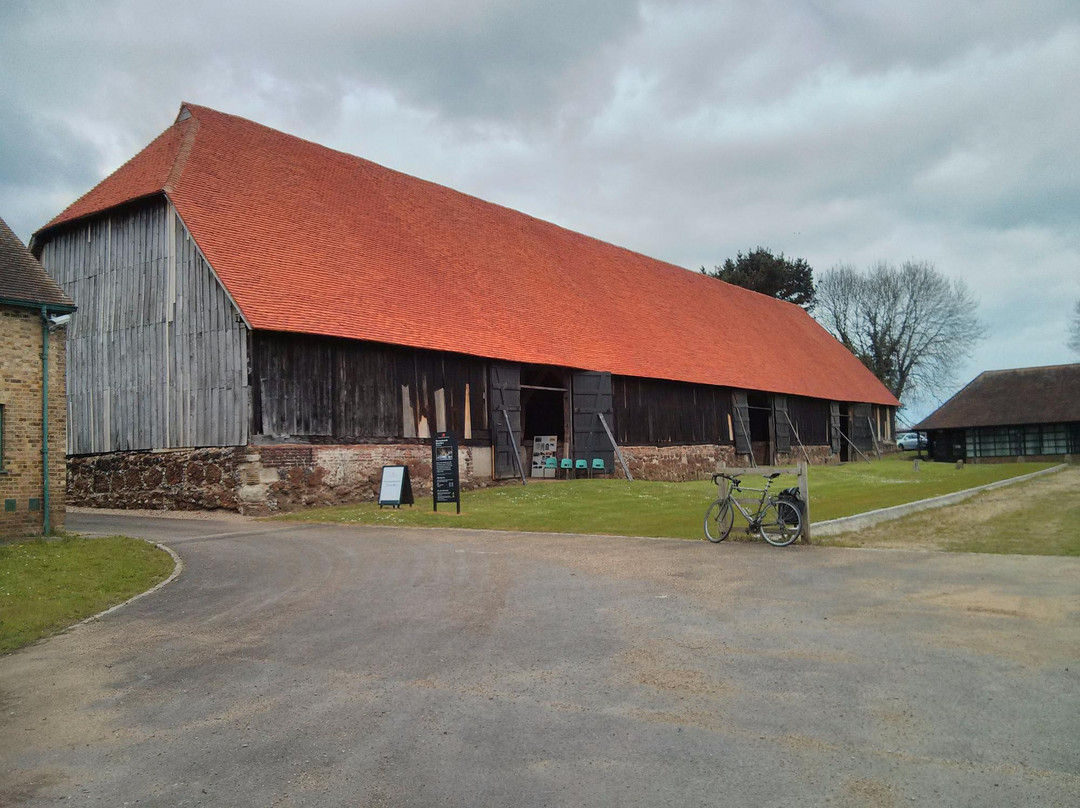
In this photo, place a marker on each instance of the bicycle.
(778, 520)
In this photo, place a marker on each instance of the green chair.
(580, 465)
(550, 463)
(597, 465)
(567, 465)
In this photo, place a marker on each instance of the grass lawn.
(49, 584)
(673, 510)
(1036, 517)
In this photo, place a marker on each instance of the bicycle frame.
(752, 519)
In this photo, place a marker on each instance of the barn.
(1006, 415)
(264, 322)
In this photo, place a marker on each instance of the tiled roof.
(1044, 395)
(311, 240)
(23, 280)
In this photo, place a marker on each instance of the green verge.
(674, 510)
(1036, 517)
(49, 584)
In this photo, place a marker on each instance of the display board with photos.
(544, 446)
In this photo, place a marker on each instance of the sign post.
(444, 470)
(395, 488)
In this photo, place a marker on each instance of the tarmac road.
(296, 665)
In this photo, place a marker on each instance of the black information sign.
(444, 470)
(395, 488)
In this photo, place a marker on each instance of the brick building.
(33, 412)
(264, 322)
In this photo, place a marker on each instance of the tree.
(1074, 330)
(773, 275)
(911, 326)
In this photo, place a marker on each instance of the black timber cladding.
(652, 412)
(810, 417)
(326, 389)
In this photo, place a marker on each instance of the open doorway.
(845, 433)
(545, 404)
(759, 406)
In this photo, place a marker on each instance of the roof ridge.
(1032, 367)
(187, 143)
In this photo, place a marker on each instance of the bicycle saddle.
(772, 476)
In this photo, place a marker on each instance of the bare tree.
(1074, 330)
(910, 325)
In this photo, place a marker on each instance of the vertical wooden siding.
(345, 390)
(811, 419)
(650, 412)
(157, 356)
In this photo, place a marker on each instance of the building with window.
(1026, 413)
(32, 393)
(265, 322)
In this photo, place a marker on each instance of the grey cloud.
(685, 129)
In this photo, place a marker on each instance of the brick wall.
(21, 482)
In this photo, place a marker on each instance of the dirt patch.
(981, 600)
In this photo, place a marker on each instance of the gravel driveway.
(313, 665)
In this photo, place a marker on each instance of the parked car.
(909, 441)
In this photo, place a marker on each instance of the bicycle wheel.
(718, 520)
(781, 523)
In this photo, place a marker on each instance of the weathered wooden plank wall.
(650, 412)
(157, 356)
(325, 389)
(811, 419)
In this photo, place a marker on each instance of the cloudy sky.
(687, 130)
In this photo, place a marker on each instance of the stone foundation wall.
(281, 478)
(675, 463)
(256, 479)
(819, 456)
(181, 479)
(267, 479)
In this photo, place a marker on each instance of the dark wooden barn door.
(861, 432)
(591, 396)
(740, 416)
(505, 391)
(834, 426)
(781, 427)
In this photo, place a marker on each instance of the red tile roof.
(311, 240)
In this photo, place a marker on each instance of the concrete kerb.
(178, 567)
(860, 521)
